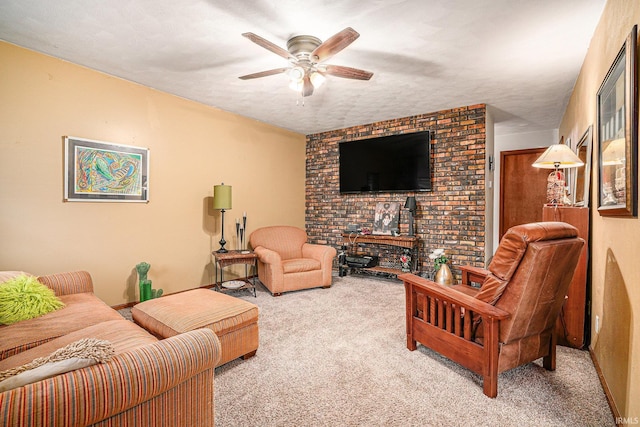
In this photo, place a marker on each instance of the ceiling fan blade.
(347, 72)
(264, 73)
(307, 86)
(268, 45)
(334, 44)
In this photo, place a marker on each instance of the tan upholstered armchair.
(286, 262)
(511, 319)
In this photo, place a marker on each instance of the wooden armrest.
(446, 321)
(472, 274)
(452, 296)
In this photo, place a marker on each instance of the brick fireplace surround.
(452, 216)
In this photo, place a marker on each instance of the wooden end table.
(224, 259)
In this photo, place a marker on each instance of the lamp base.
(222, 242)
(556, 188)
(222, 249)
(411, 223)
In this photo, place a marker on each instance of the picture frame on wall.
(569, 176)
(617, 130)
(98, 171)
(386, 218)
(582, 178)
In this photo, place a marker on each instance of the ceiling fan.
(306, 55)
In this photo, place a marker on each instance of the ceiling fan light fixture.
(296, 74)
(317, 79)
(296, 85)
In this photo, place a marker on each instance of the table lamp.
(222, 201)
(557, 156)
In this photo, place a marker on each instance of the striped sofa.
(147, 383)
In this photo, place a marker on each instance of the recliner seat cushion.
(299, 265)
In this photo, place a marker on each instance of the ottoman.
(235, 321)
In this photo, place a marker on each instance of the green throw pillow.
(23, 298)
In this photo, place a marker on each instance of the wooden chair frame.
(530, 275)
(442, 319)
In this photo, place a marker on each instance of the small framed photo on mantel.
(97, 171)
(386, 218)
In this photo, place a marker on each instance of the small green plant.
(146, 292)
(439, 258)
(142, 269)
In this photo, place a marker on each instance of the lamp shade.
(222, 196)
(558, 156)
(614, 152)
(410, 203)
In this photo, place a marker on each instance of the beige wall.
(192, 147)
(615, 267)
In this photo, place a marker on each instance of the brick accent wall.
(452, 216)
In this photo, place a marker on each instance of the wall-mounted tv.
(386, 164)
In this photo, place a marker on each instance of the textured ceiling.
(520, 57)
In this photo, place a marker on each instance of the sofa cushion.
(6, 275)
(45, 371)
(76, 355)
(122, 334)
(81, 310)
(298, 265)
(23, 297)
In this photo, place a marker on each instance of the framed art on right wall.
(617, 128)
(582, 177)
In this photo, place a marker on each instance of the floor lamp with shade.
(222, 201)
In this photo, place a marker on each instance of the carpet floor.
(338, 357)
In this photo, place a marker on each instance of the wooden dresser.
(574, 317)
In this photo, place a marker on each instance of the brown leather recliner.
(286, 262)
(511, 319)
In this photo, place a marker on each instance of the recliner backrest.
(535, 262)
(283, 239)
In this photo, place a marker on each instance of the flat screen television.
(386, 164)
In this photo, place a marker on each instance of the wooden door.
(523, 188)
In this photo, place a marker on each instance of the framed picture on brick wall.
(386, 218)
